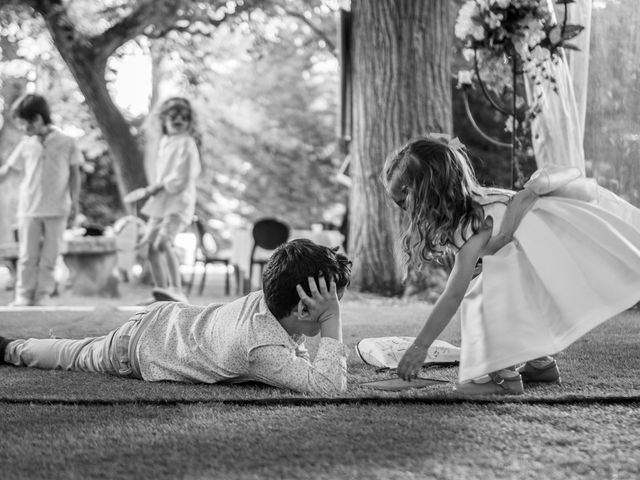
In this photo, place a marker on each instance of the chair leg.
(237, 275)
(226, 279)
(204, 278)
(193, 278)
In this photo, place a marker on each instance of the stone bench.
(9, 254)
(92, 263)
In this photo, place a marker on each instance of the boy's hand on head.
(323, 304)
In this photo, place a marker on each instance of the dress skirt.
(572, 265)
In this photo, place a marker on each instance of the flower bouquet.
(497, 33)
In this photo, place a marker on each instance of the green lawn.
(74, 425)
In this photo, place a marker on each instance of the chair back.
(128, 230)
(204, 240)
(269, 233)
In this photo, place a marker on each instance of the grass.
(321, 442)
(74, 425)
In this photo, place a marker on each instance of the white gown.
(573, 263)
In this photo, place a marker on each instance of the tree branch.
(203, 17)
(148, 12)
(159, 33)
(66, 37)
(317, 30)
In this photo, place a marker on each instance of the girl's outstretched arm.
(447, 304)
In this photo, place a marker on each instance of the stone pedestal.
(92, 263)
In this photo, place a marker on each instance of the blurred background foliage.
(264, 86)
(612, 131)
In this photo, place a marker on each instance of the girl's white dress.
(573, 263)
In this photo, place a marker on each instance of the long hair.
(440, 187)
(154, 129)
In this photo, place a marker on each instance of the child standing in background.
(49, 162)
(559, 258)
(171, 195)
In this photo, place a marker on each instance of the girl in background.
(559, 258)
(171, 195)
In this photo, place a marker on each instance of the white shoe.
(21, 302)
(386, 352)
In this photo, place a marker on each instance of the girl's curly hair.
(440, 204)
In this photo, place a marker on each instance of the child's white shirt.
(45, 166)
(177, 168)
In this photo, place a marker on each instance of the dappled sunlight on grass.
(320, 442)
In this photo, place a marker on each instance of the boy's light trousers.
(113, 353)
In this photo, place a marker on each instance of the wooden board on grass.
(396, 384)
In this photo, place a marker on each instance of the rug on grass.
(602, 366)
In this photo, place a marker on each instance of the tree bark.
(401, 77)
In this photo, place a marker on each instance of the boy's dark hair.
(30, 105)
(291, 264)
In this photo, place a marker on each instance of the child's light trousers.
(40, 242)
(113, 353)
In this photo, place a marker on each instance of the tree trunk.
(401, 77)
(88, 67)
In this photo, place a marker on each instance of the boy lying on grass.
(259, 337)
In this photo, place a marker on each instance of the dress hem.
(591, 321)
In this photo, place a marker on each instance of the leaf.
(570, 31)
(571, 46)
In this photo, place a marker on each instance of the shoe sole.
(501, 392)
(555, 381)
(482, 394)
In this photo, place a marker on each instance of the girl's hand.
(144, 243)
(136, 195)
(412, 361)
(323, 304)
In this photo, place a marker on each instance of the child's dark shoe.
(3, 346)
(169, 295)
(146, 301)
(540, 374)
(492, 384)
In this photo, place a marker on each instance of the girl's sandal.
(494, 385)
